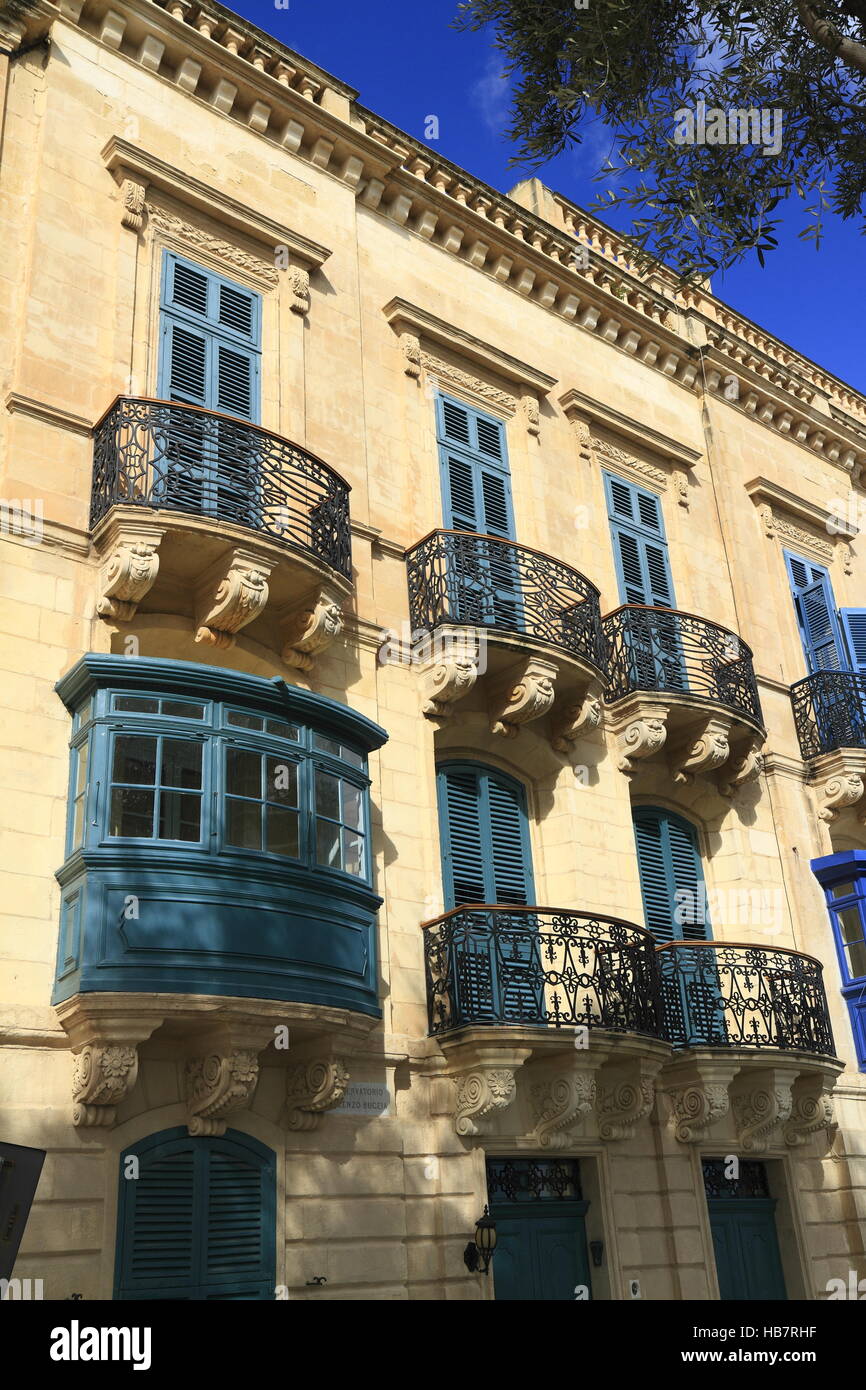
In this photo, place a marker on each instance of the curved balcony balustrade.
(724, 995)
(830, 712)
(680, 680)
(528, 622)
(538, 967)
(204, 513)
(181, 458)
(471, 580)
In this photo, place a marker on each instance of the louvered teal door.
(210, 332)
(483, 580)
(198, 1222)
(675, 909)
(644, 578)
(484, 837)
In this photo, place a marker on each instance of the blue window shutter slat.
(854, 626)
(235, 381)
(211, 335)
(189, 288)
(199, 1220)
(476, 485)
(485, 837)
(815, 607)
(185, 365)
(671, 877)
(639, 545)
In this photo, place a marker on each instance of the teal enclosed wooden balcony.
(219, 838)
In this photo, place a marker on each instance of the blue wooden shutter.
(210, 340)
(671, 879)
(476, 484)
(816, 614)
(199, 1220)
(485, 837)
(854, 627)
(639, 544)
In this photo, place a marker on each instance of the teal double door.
(541, 1251)
(743, 1225)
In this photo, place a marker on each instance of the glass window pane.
(282, 730)
(243, 773)
(244, 721)
(353, 803)
(282, 832)
(81, 768)
(352, 758)
(353, 853)
(85, 712)
(179, 816)
(134, 759)
(282, 783)
(850, 924)
(243, 824)
(327, 745)
(328, 844)
(857, 959)
(328, 795)
(131, 813)
(181, 763)
(136, 704)
(78, 822)
(842, 890)
(182, 709)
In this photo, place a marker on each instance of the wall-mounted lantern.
(479, 1253)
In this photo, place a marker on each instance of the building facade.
(434, 689)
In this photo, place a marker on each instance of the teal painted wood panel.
(541, 1252)
(748, 1262)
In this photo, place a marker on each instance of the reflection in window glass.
(182, 709)
(156, 782)
(244, 721)
(136, 704)
(79, 795)
(261, 803)
(851, 927)
(337, 750)
(339, 828)
(842, 890)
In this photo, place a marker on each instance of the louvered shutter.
(199, 1220)
(670, 877)
(476, 485)
(816, 614)
(485, 838)
(211, 330)
(185, 363)
(640, 547)
(854, 626)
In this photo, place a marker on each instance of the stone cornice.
(127, 161)
(49, 414)
(408, 318)
(577, 405)
(761, 490)
(221, 60)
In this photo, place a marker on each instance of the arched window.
(484, 836)
(196, 1218)
(671, 877)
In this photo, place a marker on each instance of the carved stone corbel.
(640, 724)
(525, 692)
(559, 1105)
(575, 721)
(529, 409)
(449, 673)
(698, 1092)
(480, 1096)
(743, 768)
(104, 1043)
(811, 1108)
(410, 349)
(133, 192)
(311, 627)
(840, 779)
(230, 597)
(314, 1087)
(218, 1085)
(299, 284)
(704, 751)
(761, 1102)
(625, 1094)
(129, 572)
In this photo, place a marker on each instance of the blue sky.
(408, 63)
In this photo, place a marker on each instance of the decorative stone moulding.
(821, 533)
(561, 1104)
(839, 779)
(522, 693)
(766, 1098)
(706, 743)
(130, 570)
(418, 331)
(220, 1079)
(671, 461)
(450, 672)
(625, 1094)
(104, 1041)
(578, 720)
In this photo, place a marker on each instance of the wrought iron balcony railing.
(715, 994)
(830, 712)
(539, 966)
(483, 581)
(662, 649)
(150, 453)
